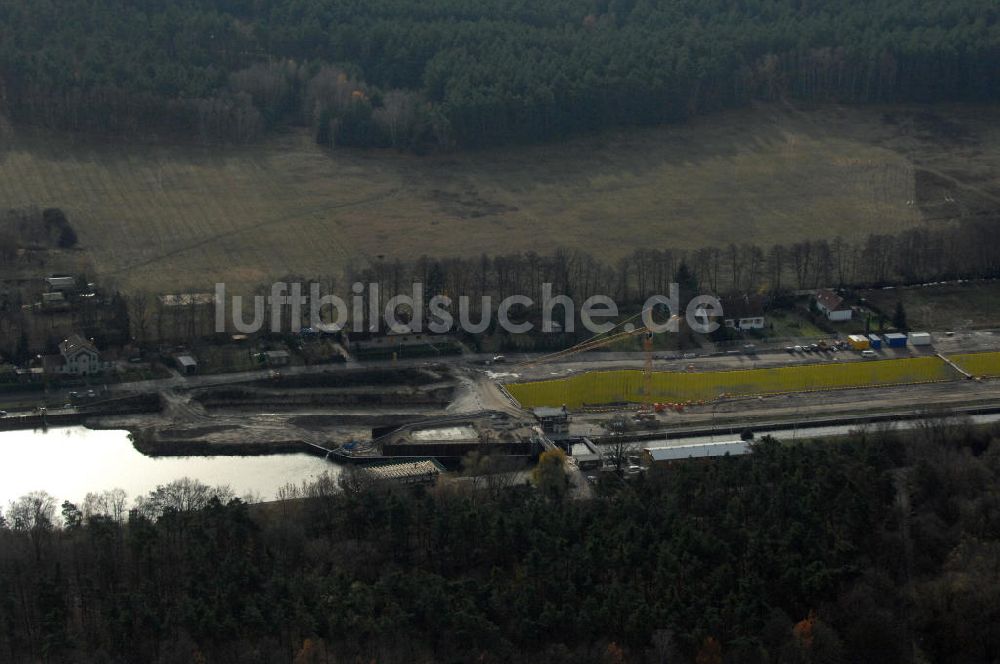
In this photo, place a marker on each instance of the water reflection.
(69, 462)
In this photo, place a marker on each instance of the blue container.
(875, 341)
(895, 340)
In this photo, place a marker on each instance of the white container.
(920, 339)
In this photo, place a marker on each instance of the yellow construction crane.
(596, 341)
(600, 341)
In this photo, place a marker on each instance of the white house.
(832, 305)
(77, 356)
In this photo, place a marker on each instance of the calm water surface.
(69, 462)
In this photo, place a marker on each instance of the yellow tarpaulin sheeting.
(604, 387)
(979, 364)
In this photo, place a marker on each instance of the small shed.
(187, 364)
(895, 340)
(54, 300)
(586, 454)
(61, 283)
(553, 420)
(920, 339)
(278, 358)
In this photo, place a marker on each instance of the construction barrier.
(607, 387)
(979, 364)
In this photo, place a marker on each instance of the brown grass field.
(167, 218)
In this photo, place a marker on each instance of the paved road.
(966, 341)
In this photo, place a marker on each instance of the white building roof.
(186, 361)
(703, 450)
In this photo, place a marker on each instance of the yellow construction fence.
(979, 364)
(606, 387)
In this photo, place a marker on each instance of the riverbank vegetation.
(883, 547)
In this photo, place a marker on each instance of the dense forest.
(881, 548)
(423, 73)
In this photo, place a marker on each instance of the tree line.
(958, 250)
(881, 547)
(444, 72)
(962, 249)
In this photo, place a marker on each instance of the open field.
(607, 387)
(167, 218)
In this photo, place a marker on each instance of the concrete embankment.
(779, 425)
(37, 421)
(244, 398)
(129, 405)
(152, 445)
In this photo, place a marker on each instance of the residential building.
(77, 357)
(744, 312)
(832, 306)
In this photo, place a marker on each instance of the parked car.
(798, 349)
(3, 413)
(869, 354)
(499, 359)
